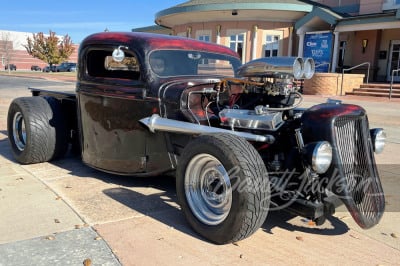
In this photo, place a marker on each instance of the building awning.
(389, 20)
(154, 29)
(222, 10)
(319, 18)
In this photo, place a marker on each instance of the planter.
(331, 83)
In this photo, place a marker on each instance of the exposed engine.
(268, 91)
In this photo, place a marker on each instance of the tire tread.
(42, 125)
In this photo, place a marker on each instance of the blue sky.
(80, 18)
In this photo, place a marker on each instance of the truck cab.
(121, 82)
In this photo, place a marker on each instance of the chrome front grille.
(354, 159)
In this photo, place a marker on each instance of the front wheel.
(223, 187)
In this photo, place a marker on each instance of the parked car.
(66, 67)
(49, 68)
(36, 68)
(12, 67)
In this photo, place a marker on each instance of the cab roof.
(146, 42)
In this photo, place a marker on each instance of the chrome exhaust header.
(157, 123)
(280, 66)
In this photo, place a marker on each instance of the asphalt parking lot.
(65, 213)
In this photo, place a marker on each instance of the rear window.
(100, 64)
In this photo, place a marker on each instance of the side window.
(204, 38)
(272, 43)
(271, 47)
(236, 43)
(236, 40)
(100, 64)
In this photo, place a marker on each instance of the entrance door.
(394, 61)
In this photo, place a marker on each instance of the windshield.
(166, 63)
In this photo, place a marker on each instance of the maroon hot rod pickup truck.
(233, 134)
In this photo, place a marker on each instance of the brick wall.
(331, 83)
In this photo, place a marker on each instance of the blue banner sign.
(319, 47)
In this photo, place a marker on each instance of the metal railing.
(324, 64)
(351, 68)
(391, 82)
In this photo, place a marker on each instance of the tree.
(49, 49)
(6, 49)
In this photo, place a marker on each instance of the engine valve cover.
(240, 118)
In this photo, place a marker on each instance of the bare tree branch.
(6, 50)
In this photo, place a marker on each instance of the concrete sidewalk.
(37, 226)
(65, 213)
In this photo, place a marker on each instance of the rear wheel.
(223, 187)
(36, 129)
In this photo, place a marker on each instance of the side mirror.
(118, 55)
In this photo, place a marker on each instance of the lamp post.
(364, 44)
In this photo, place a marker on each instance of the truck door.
(111, 101)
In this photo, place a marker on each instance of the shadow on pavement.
(162, 205)
(282, 219)
(159, 206)
(5, 149)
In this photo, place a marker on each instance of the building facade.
(363, 33)
(368, 33)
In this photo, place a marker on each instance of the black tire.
(203, 181)
(36, 129)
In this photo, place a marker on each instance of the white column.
(335, 52)
(254, 43)
(301, 44)
(218, 37)
(290, 48)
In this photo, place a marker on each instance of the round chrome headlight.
(298, 68)
(309, 68)
(378, 137)
(319, 156)
(322, 157)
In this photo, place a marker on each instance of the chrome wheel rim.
(19, 132)
(208, 189)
